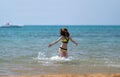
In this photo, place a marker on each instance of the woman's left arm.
(55, 41)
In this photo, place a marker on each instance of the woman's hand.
(49, 45)
(76, 44)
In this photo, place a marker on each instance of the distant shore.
(73, 75)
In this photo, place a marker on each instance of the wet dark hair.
(64, 32)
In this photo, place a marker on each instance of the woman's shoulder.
(69, 37)
(61, 36)
(64, 37)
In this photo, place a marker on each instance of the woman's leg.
(62, 53)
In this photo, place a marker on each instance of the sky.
(60, 12)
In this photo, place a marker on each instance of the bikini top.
(65, 40)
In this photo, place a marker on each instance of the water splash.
(58, 58)
(42, 57)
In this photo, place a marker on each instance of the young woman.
(64, 37)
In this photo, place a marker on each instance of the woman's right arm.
(73, 41)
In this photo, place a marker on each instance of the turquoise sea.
(24, 50)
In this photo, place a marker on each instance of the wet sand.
(73, 75)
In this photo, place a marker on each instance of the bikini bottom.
(63, 49)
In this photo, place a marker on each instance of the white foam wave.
(58, 58)
(42, 56)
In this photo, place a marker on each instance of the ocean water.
(24, 50)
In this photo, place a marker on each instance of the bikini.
(65, 40)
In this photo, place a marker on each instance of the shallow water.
(24, 50)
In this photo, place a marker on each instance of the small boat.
(11, 26)
(7, 25)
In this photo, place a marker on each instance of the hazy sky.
(60, 12)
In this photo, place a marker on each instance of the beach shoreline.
(72, 75)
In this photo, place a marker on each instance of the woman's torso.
(64, 41)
